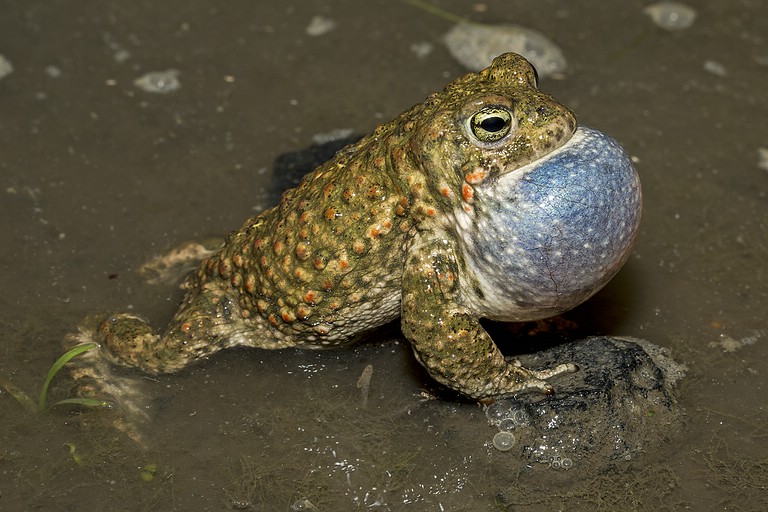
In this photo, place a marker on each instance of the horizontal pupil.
(492, 124)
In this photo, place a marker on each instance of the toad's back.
(326, 263)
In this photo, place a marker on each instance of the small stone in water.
(671, 15)
(475, 45)
(422, 49)
(53, 71)
(331, 136)
(320, 25)
(762, 158)
(6, 68)
(716, 68)
(160, 82)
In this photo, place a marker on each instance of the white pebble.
(422, 49)
(6, 68)
(159, 82)
(716, 68)
(671, 15)
(333, 135)
(475, 46)
(762, 158)
(53, 71)
(320, 25)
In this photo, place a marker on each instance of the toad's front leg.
(448, 339)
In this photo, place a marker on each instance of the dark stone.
(618, 404)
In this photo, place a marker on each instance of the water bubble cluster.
(506, 416)
(509, 416)
(507, 425)
(558, 462)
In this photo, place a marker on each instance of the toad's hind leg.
(126, 340)
(207, 321)
(199, 329)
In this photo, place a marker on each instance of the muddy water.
(98, 176)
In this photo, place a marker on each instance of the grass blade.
(60, 362)
(88, 402)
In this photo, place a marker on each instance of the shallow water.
(98, 176)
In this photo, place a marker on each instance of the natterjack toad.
(485, 201)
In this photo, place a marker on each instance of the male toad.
(485, 201)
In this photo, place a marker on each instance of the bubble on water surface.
(504, 441)
(507, 425)
(520, 417)
(498, 411)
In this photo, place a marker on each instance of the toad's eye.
(490, 124)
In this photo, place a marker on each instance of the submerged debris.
(53, 71)
(159, 82)
(6, 68)
(320, 25)
(730, 344)
(331, 136)
(364, 383)
(671, 15)
(762, 158)
(422, 49)
(716, 68)
(475, 45)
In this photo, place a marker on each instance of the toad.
(484, 201)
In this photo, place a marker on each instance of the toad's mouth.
(549, 235)
(565, 145)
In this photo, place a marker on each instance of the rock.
(618, 404)
(671, 15)
(475, 45)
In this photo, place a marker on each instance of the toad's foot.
(179, 261)
(537, 379)
(97, 377)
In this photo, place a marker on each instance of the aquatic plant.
(41, 406)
